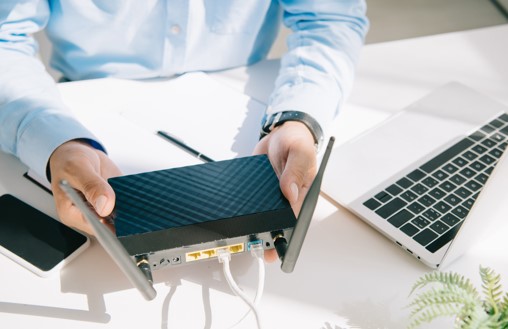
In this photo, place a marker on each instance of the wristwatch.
(273, 120)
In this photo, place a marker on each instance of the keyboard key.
(477, 136)
(442, 207)
(440, 175)
(437, 193)
(477, 165)
(427, 200)
(443, 239)
(467, 172)
(404, 182)
(430, 182)
(409, 229)
(450, 219)
(503, 117)
(496, 153)
(461, 162)
(400, 218)
(449, 168)
(439, 227)
(489, 143)
(457, 179)
(473, 186)
(498, 137)
(470, 155)
(393, 189)
(460, 212)
(504, 131)
(453, 199)
(408, 196)
(421, 222)
(496, 123)
(468, 203)
(431, 214)
(488, 129)
(488, 171)
(463, 192)
(419, 189)
(448, 154)
(448, 186)
(416, 207)
(481, 178)
(425, 237)
(487, 159)
(479, 149)
(416, 175)
(391, 207)
(372, 204)
(383, 196)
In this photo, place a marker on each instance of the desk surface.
(348, 275)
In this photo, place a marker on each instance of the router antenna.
(289, 255)
(111, 244)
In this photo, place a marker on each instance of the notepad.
(204, 113)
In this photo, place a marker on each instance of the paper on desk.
(207, 115)
(98, 104)
(126, 114)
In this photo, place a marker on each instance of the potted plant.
(450, 294)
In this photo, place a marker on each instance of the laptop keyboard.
(430, 203)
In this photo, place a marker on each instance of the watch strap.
(276, 119)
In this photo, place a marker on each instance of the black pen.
(183, 146)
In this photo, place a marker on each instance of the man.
(161, 38)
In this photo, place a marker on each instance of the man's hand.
(292, 153)
(87, 170)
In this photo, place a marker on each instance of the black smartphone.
(35, 240)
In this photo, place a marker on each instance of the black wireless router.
(184, 215)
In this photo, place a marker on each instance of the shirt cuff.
(45, 133)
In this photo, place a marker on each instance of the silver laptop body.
(432, 178)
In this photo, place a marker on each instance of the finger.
(95, 189)
(296, 179)
(271, 255)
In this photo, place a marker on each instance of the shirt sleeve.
(317, 72)
(33, 118)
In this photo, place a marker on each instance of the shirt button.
(175, 29)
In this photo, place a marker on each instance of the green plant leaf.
(446, 278)
(451, 294)
(491, 284)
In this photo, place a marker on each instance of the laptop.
(432, 178)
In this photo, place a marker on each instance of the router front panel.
(182, 215)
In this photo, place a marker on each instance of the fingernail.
(294, 191)
(100, 203)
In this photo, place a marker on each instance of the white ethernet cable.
(257, 251)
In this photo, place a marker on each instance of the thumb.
(292, 183)
(97, 192)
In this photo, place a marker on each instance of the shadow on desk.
(98, 276)
(348, 267)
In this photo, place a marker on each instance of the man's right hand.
(87, 170)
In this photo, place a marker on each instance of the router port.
(212, 252)
(193, 256)
(254, 242)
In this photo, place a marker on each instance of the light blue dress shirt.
(135, 39)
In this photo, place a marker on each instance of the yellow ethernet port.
(209, 253)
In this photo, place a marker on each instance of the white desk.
(348, 275)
